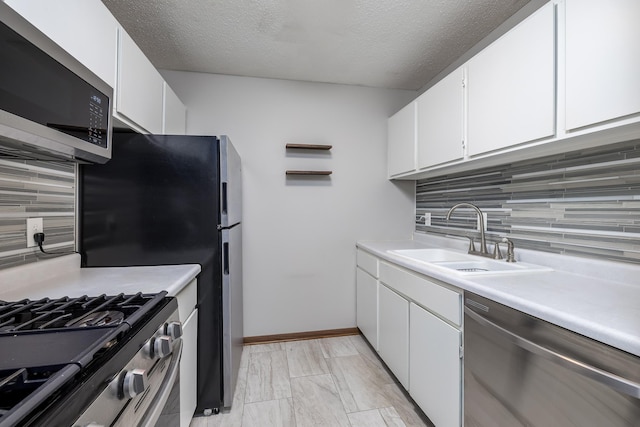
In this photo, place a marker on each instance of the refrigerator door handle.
(225, 258)
(224, 198)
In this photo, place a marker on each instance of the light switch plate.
(34, 225)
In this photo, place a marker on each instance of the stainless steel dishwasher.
(523, 371)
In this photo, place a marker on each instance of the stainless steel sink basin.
(432, 255)
(489, 266)
(465, 264)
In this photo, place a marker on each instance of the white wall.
(299, 236)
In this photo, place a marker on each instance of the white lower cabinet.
(367, 306)
(435, 367)
(419, 325)
(188, 369)
(188, 313)
(393, 332)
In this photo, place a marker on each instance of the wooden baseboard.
(297, 336)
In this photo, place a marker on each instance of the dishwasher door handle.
(613, 381)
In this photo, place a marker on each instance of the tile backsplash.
(30, 188)
(583, 203)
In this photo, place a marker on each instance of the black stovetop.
(46, 343)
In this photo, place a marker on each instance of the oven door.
(164, 410)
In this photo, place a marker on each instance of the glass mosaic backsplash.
(584, 203)
(35, 189)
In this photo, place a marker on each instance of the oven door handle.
(155, 409)
(613, 381)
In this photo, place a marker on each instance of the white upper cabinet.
(441, 121)
(84, 28)
(401, 140)
(602, 61)
(174, 120)
(140, 87)
(511, 86)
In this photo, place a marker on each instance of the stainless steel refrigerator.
(165, 199)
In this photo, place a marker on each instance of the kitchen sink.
(432, 255)
(466, 264)
(489, 266)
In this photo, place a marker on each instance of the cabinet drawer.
(440, 300)
(367, 262)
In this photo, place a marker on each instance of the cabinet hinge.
(461, 352)
(464, 82)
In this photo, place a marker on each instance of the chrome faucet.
(483, 241)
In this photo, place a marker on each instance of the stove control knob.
(174, 330)
(134, 383)
(158, 347)
(163, 346)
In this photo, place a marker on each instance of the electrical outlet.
(34, 225)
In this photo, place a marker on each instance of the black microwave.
(51, 106)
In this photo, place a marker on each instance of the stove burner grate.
(49, 347)
(27, 315)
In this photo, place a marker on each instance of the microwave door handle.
(607, 378)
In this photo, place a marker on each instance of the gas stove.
(61, 359)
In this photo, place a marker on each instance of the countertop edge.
(607, 334)
(71, 280)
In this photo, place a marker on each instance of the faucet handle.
(496, 251)
(472, 245)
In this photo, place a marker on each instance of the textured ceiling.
(399, 44)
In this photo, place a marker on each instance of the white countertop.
(63, 276)
(598, 299)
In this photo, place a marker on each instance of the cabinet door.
(174, 114)
(435, 367)
(401, 141)
(188, 369)
(440, 121)
(367, 306)
(511, 86)
(393, 333)
(92, 40)
(139, 88)
(602, 60)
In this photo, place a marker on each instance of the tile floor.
(323, 382)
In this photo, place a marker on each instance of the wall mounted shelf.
(294, 172)
(308, 147)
